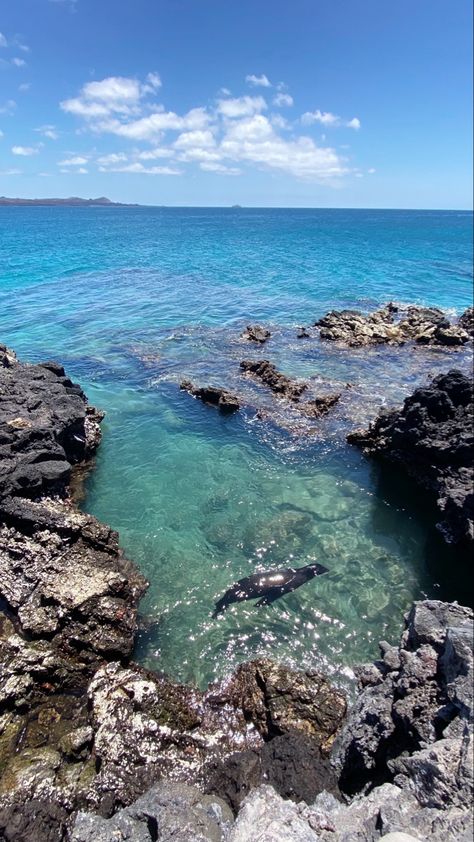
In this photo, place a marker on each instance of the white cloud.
(353, 124)
(255, 140)
(25, 86)
(153, 81)
(19, 62)
(24, 47)
(218, 139)
(283, 100)
(153, 154)
(3, 40)
(371, 171)
(326, 118)
(1, 133)
(189, 140)
(113, 158)
(219, 168)
(152, 126)
(243, 106)
(113, 95)
(224, 92)
(258, 81)
(48, 131)
(140, 169)
(75, 161)
(11, 172)
(25, 150)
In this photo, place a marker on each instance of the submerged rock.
(432, 437)
(393, 326)
(279, 383)
(256, 333)
(224, 400)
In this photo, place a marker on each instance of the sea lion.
(269, 585)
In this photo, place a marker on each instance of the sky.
(284, 103)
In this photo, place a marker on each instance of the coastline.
(133, 726)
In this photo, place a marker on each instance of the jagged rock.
(170, 812)
(393, 326)
(292, 763)
(466, 321)
(320, 406)
(265, 817)
(432, 437)
(224, 400)
(303, 333)
(280, 384)
(278, 700)
(256, 333)
(416, 722)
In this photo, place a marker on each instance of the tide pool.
(133, 300)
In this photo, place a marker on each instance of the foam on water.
(134, 300)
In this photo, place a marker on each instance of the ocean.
(134, 300)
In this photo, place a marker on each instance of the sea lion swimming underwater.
(269, 585)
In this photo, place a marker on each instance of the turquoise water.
(134, 300)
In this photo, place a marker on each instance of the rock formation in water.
(432, 438)
(256, 333)
(224, 400)
(290, 390)
(394, 326)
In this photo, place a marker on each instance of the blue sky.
(317, 103)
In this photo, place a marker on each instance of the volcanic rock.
(256, 333)
(432, 437)
(224, 400)
(265, 371)
(393, 326)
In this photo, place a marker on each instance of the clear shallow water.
(134, 300)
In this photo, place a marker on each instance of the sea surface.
(132, 301)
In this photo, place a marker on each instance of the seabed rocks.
(94, 747)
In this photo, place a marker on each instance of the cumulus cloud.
(219, 138)
(112, 158)
(25, 151)
(255, 140)
(243, 106)
(113, 95)
(326, 118)
(25, 86)
(282, 100)
(74, 161)
(3, 40)
(153, 154)
(19, 62)
(258, 81)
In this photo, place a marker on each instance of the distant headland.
(71, 201)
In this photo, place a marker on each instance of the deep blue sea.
(133, 300)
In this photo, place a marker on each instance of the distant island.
(71, 201)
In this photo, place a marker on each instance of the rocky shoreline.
(85, 732)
